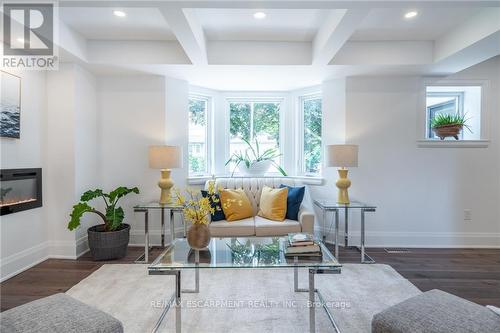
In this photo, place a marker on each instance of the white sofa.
(256, 225)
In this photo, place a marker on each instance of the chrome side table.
(171, 210)
(331, 206)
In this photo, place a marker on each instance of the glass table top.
(157, 205)
(330, 204)
(251, 252)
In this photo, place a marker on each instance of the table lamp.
(343, 156)
(165, 158)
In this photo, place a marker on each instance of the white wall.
(71, 154)
(58, 133)
(420, 193)
(133, 114)
(24, 237)
(87, 141)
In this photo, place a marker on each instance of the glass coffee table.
(241, 253)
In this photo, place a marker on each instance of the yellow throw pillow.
(273, 203)
(235, 204)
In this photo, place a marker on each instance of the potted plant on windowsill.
(449, 125)
(252, 163)
(110, 239)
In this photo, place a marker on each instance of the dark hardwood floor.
(473, 274)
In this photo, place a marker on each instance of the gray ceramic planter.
(107, 245)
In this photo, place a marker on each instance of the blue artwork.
(10, 105)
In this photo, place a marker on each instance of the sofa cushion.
(265, 227)
(293, 201)
(241, 228)
(235, 204)
(435, 311)
(218, 214)
(58, 313)
(273, 203)
(253, 186)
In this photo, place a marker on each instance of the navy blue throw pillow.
(293, 201)
(218, 215)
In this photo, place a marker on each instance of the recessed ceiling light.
(411, 14)
(259, 15)
(119, 13)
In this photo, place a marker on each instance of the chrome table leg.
(312, 291)
(364, 256)
(337, 234)
(178, 307)
(172, 226)
(346, 228)
(143, 258)
(312, 314)
(196, 275)
(162, 227)
(176, 297)
(324, 224)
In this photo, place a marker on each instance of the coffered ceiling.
(222, 45)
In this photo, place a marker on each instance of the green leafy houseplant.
(252, 155)
(112, 217)
(445, 125)
(441, 120)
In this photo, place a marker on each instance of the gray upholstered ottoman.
(436, 312)
(57, 313)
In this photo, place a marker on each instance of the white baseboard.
(420, 239)
(82, 246)
(21, 261)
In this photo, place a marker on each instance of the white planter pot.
(255, 169)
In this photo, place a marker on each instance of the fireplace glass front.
(20, 189)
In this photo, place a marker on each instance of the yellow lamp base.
(343, 184)
(165, 184)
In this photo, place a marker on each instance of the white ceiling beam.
(136, 52)
(335, 31)
(385, 53)
(259, 53)
(188, 32)
(478, 27)
(282, 4)
(71, 44)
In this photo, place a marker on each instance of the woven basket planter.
(448, 130)
(107, 245)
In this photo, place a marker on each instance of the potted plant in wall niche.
(252, 162)
(110, 239)
(449, 125)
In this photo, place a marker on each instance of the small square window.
(462, 102)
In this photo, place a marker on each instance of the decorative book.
(300, 239)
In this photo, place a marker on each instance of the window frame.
(422, 117)
(252, 99)
(459, 96)
(208, 134)
(300, 137)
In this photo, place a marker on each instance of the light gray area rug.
(244, 300)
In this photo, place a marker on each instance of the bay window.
(198, 146)
(254, 121)
(310, 136)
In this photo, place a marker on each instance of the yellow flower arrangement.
(196, 207)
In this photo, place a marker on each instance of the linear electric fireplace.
(20, 189)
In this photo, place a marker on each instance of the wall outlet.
(467, 215)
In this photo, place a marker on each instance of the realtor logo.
(28, 36)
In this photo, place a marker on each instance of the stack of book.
(302, 245)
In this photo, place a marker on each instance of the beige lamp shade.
(342, 155)
(165, 157)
